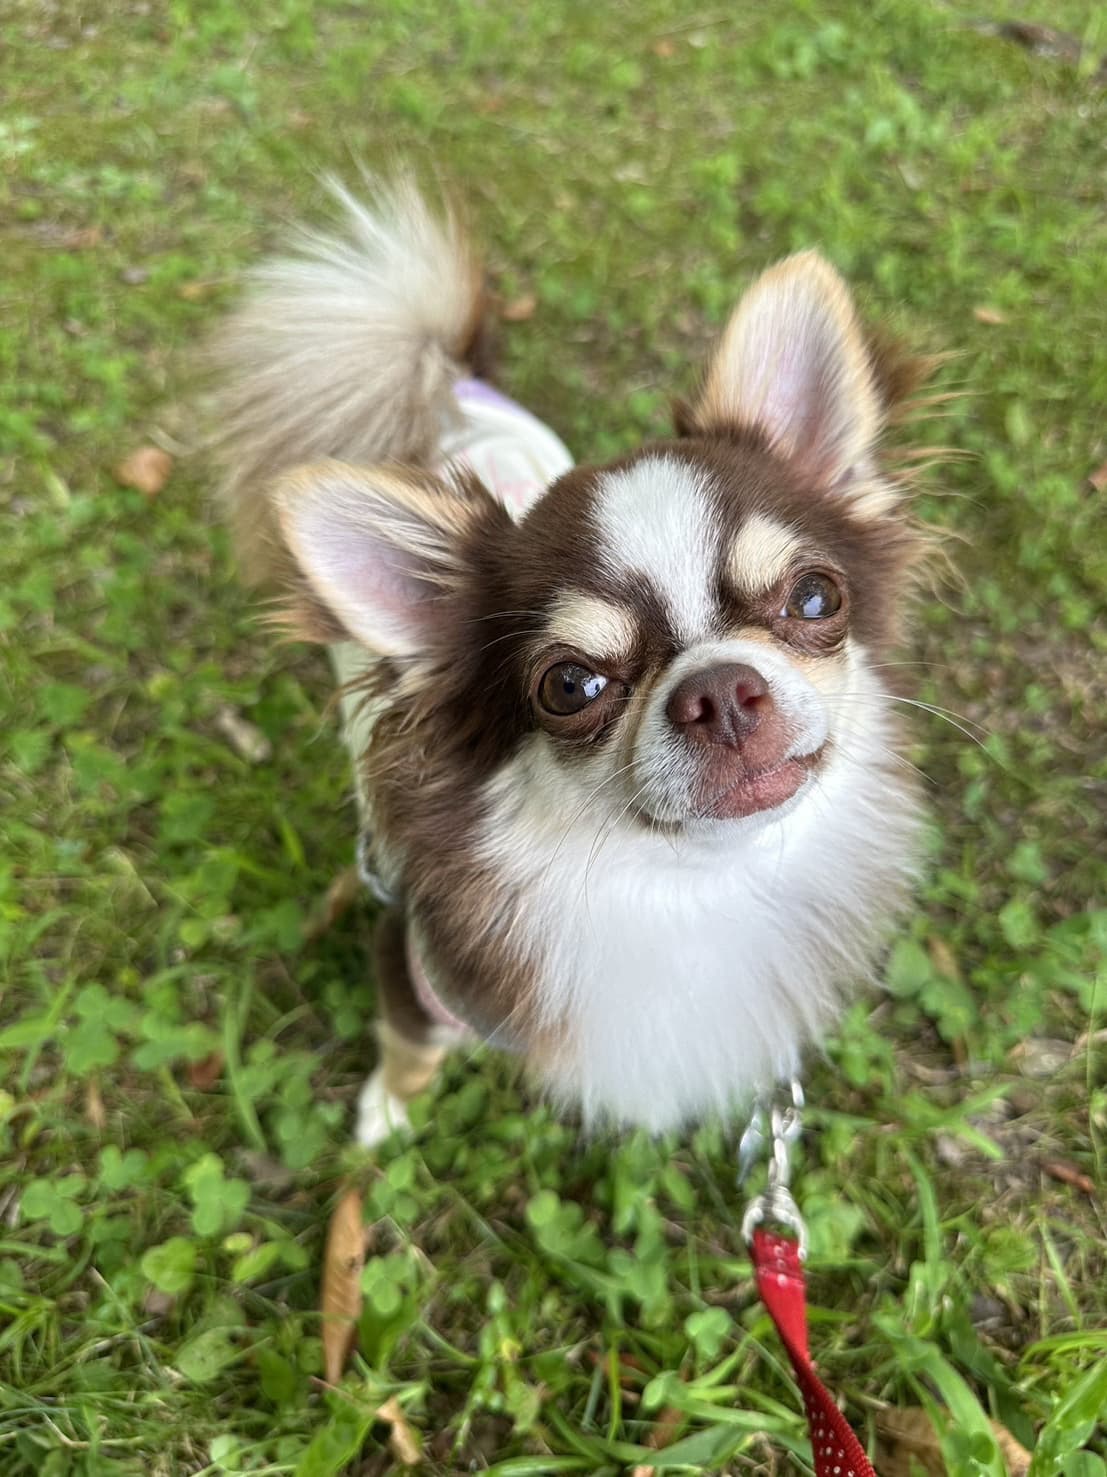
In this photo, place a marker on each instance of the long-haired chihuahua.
(628, 777)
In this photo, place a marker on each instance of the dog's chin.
(765, 794)
(766, 790)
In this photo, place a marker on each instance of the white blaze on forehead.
(656, 522)
(761, 554)
(597, 627)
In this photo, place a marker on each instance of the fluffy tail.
(346, 349)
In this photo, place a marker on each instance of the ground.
(180, 1053)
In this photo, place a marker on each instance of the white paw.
(379, 1113)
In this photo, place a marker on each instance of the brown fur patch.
(399, 1003)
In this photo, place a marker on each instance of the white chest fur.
(685, 973)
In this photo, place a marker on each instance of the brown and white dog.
(625, 763)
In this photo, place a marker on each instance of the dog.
(629, 780)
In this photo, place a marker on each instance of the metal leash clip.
(776, 1204)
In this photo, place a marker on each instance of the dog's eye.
(567, 688)
(813, 598)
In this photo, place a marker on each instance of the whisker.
(893, 697)
(938, 666)
(497, 615)
(602, 839)
(947, 713)
(943, 713)
(589, 798)
(885, 753)
(511, 636)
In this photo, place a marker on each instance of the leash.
(778, 1256)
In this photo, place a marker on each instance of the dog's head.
(679, 623)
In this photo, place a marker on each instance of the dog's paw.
(380, 1113)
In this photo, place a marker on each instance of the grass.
(178, 1063)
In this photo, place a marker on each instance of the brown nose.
(722, 705)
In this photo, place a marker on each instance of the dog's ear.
(381, 553)
(793, 367)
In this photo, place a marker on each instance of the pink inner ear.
(384, 582)
(788, 405)
(798, 397)
(384, 595)
(803, 401)
(793, 361)
(819, 420)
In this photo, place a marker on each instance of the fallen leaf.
(299, 119)
(146, 470)
(1042, 40)
(1015, 1455)
(343, 1260)
(1041, 1056)
(992, 316)
(629, 1367)
(1090, 1038)
(1098, 478)
(519, 310)
(95, 1111)
(156, 1304)
(666, 1428)
(911, 177)
(951, 1151)
(196, 292)
(79, 239)
(244, 737)
(204, 1074)
(908, 1443)
(265, 1171)
(942, 957)
(402, 1440)
(1068, 1174)
(346, 888)
(492, 102)
(135, 276)
(664, 47)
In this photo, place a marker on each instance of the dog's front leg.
(412, 1045)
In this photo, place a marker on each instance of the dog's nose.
(720, 705)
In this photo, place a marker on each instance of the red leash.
(780, 1281)
(778, 1266)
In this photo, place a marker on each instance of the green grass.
(535, 1302)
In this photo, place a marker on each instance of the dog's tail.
(348, 349)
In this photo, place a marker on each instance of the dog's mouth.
(730, 791)
(765, 789)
